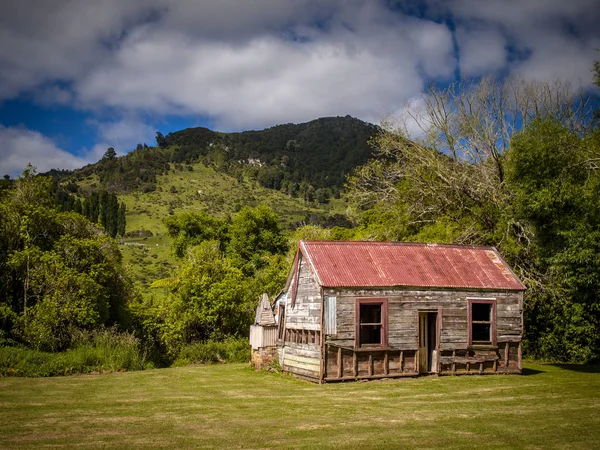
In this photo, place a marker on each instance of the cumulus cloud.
(254, 63)
(548, 38)
(243, 64)
(480, 51)
(21, 146)
(362, 63)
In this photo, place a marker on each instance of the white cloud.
(480, 51)
(22, 146)
(243, 64)
(255, 63)
(363, 65)
(123, 135)
(554, 38)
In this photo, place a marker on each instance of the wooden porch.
(347, 363)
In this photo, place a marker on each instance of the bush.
(230, 350)
(101, 351)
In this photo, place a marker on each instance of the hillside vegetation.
(308, 160)
(197, 188)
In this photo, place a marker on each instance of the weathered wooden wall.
(302, 344)
(262, 336)
(403, 321)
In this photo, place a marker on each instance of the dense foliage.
(510, 164)
(224, 267)
(104, 350)
(101, 208)
(59, 274)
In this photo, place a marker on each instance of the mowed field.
(231, 406)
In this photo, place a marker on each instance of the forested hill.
(309, 160)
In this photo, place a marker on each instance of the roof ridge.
(400, 243)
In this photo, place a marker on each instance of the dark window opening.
(481, 332)
(371, 328)
(481, 322)
(281, 324)
(481, 312)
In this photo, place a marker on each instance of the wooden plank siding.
(301, 353)
(455, 354)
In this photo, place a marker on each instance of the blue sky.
(78, 77)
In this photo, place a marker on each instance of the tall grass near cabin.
(230, 350)
(100, 351)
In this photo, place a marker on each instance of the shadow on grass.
(527, 371)
(585, 368)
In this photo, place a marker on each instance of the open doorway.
(428, 342)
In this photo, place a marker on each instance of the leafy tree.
(58, 273)
(209, 299)
(160, 140)
(254, 233)
(192, 228)
(507, 164)
(121, 219)
(552, 172)
(109, 154)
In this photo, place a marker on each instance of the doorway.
(428, 342)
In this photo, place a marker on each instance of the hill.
(309, 160)
(296, 169)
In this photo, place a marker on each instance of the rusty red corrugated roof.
(371, 264)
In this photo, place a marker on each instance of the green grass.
(230, 406)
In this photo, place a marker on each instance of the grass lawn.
(231, 406)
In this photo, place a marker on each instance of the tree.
(509, 165)
(121, 220)
(58, 274)
(192, 228)
(210, 298)
(453, 168)
(253, 234)
(109, 154)
(552, 172)
(160, 140)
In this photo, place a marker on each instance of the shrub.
(229, 350)
(100, 351)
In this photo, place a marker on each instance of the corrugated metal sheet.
(262, 336)
(372, 264)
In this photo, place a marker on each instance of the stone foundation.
(264, 356)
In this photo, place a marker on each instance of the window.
(482, 322)
(371, 323)
(281, 324)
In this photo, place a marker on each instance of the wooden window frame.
(486, 301)
(281, 325)
(296, 279)
(384, 321)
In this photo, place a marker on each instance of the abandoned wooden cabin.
(365, 310)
